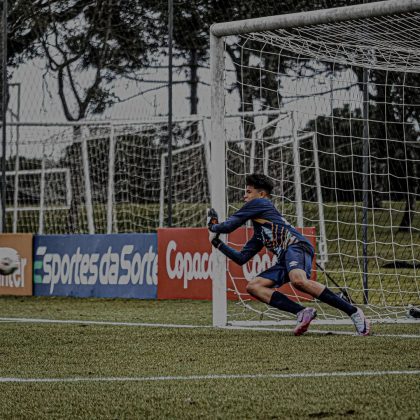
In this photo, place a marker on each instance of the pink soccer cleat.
(304, 318)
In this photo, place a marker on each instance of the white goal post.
(364, 144)
(55, 197)
(105, 176)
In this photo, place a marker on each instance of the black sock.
(327, 296)
(282, 302)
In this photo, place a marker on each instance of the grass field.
(114, 370)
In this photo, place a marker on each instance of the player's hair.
(260, 182)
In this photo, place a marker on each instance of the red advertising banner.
(185, 264)
(20, 282)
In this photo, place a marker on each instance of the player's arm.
(247, 212)
(251, 248)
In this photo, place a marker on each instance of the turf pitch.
(106, 361)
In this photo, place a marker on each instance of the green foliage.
(106, 40)
(87, 45)
(393, 161)
(110, 39)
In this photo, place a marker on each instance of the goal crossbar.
(317, 17)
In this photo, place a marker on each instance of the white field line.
(145, 324)
(325, 332)
(88, 322)
(212, 377)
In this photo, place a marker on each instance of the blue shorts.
(294, 257)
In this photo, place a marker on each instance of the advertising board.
(185, 263)
(116, 265)
(20, 282)
(186, 259)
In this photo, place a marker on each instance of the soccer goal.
(344, 155)
(106, 176)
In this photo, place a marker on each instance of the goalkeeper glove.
(214, 239)
(212, 218)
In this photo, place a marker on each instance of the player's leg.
(299, 277)
(361, 323)
(262, 289)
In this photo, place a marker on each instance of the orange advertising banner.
(186, 258)
(20, 282)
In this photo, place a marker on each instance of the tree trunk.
(76, 169)
(410, 208)
(193, 93)
(412, 177)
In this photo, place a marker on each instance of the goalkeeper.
(294, 256)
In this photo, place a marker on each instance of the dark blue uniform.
(273, 231)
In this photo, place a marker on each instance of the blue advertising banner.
(116, 265)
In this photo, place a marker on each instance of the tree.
(192, 21)
(394, 165)
(87, 45)
(392, 115)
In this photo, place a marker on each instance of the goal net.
(341, 144)
(106, 176)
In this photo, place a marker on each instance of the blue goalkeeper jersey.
(271, 230)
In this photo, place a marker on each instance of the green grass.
(37, 350)
(128, 218)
